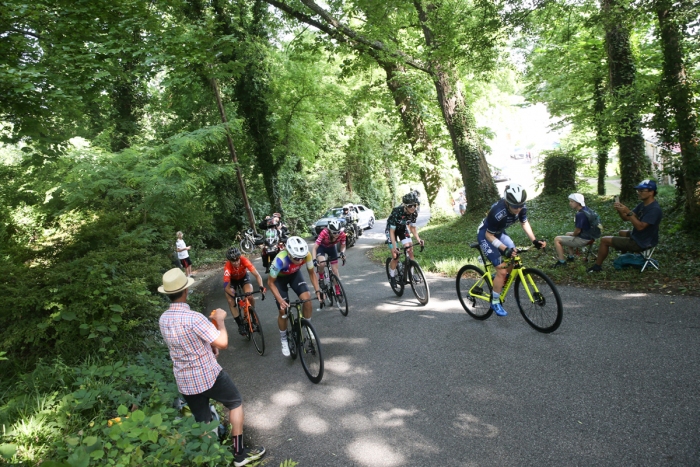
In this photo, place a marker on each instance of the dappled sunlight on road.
(312, 424)
(391, 418)
(343, 366)
(372, 451)
(345, 340)
(470, 426)
(268, 416)
(338, 398)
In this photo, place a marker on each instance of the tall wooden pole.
(232, 150)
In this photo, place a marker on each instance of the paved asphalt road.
(404, 385)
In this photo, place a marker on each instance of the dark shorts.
(295, 281)
(186, 262)
(626, 244)
(239, 282)
(491, 252)
(223, 391)
(330, 251)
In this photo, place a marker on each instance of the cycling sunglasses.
(410, 206)
(516, 206)
(298, 259)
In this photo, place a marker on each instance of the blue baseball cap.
(646, 184)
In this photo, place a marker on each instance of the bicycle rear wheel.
(257, 333)
(310, 352)
(539, 301)
(474, 292)
(418, 283)
(340, 299)
(398, 284)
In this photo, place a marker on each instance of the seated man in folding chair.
(584, 233)
(645, 219)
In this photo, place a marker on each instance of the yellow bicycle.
(535, 293)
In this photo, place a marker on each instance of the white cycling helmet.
(334, 226)
(297, 247)
(515, 195)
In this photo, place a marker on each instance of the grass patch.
(447, 246)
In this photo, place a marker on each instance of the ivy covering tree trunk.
(479, 185)
(676, 117)
(413, 125)
(602, 135)
(634, 165)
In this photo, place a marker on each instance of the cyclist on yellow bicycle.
(494, 242)
(236, 274)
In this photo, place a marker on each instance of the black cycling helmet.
(233, 254)
(515, 195)
(410, 198)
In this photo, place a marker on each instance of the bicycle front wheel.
(291, 341)
(247, 246)
(474, 292)
(418, 283)
(538, 300)
(337, 291)
(257, 332)
(310, 352)
(398, 284)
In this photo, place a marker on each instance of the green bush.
(559, 172)
(103, 412)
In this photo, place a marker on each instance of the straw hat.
(175, 281)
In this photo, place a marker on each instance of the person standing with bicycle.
(330, 238)
(495, 243)
(236, 275)
(285, 271)
(194, 343)
(399, 227)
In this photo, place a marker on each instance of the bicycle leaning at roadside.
(236, 274)
(190, 338)
(495, 243)
(285, 272)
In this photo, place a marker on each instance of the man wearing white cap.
(194, 343)
(581, 234)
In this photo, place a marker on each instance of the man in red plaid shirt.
(194, 343)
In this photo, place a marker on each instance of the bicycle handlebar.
(248, 294)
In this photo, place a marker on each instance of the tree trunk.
(479, 186)
(634, 165)
(251, 89)
(602, 136)
(417, 135)
(680, 96)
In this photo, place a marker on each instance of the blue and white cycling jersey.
(500, 218)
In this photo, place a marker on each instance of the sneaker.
(570, 258)
(248, 455)
(242, 329)
(558, 264)
(267, 270)
(594, 268)
(498, 309)
(285, 351)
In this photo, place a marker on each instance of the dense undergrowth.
(448, 238)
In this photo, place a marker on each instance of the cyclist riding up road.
(236, 274)
(285, 271)
(399, 227)
(326, 244)
(494, 242)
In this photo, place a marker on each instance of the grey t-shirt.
(651, 214)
